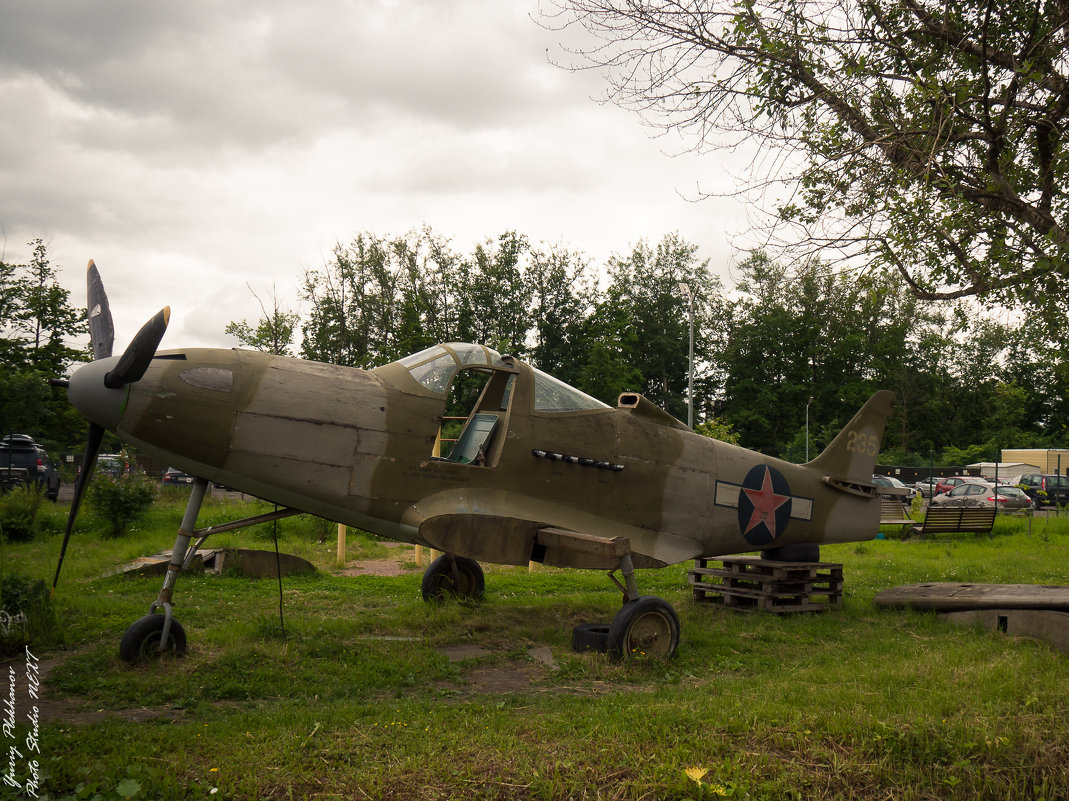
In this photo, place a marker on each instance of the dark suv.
(23, 461)
(1045, 490)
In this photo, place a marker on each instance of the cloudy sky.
(194, 149)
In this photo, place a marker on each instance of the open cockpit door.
(474, 385)
(482, 422)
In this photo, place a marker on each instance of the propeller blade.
(135, 359)
(92, 448)
(101, 327)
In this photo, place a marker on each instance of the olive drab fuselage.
(365, 448)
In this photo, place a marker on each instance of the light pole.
(807, 428)
(685, 288)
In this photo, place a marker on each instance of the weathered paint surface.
(356, 447)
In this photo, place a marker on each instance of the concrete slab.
(1040, 624)
(257, 564)
(155, 566)
(246, 561)
(946, 596)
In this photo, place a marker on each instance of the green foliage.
(37, 322)
(380, 299)
(19, 509)
(718, 429)
(970, 455)
(121, 500)
(921, 138)
(644, 318)
(274, 331)
(133, 783)
(27, 616)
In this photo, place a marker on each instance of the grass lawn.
(359, 697)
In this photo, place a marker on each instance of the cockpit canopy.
(435, 367)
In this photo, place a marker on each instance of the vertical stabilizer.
(851, 456)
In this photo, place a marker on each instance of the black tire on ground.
(645, 628)
(591, 637)
(799, 552)
(142, 639)
(440, 580)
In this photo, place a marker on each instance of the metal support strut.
(178, 556)
(629, 588)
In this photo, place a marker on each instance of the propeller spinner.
(96, 389)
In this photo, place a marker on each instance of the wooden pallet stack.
(749, 583)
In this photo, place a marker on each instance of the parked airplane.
(539, 471)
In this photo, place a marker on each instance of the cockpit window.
(424, 355)
(435, 366)
(435, 374)
(552, 395)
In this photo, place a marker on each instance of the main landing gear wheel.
(142, 639)
(646, 628)
(455, 576)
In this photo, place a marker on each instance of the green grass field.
(359, 699)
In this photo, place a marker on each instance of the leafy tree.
(346, 298)
(36, 327)
(643, 319)
(812, 339)
(917, 135)
(381, 299)
(718, 429)
(494, 298)
(562, 297)
(274, 331)
(1036, 363)
(46, 317)
(427, 307)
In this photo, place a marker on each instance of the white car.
(891, 481)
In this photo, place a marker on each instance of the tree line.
(785, 343)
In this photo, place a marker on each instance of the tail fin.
(851, 456)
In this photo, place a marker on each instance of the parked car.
(891, 481)
(112, 464)
(176, 478)
(926, 486)
(1045, 490)
(973, 494)
(23, 461)
(947, 484)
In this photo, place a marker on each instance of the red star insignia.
(765, 503)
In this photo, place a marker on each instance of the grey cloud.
(166, 79)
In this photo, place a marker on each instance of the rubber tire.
(142, 638)
(591, 637)
(438, 581)
(798, 552)
(643, 628)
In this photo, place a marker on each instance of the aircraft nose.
(89, 396)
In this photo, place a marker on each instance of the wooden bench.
(894, 512)
(953, 519)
